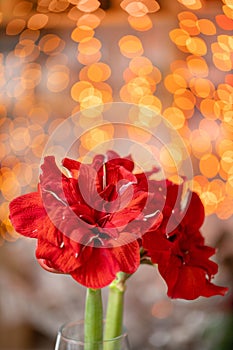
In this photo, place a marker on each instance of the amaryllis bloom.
(181, 255)
(84, 218)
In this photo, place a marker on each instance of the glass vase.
(71, 337)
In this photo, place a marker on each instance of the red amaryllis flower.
(83, 218)
(181, 255)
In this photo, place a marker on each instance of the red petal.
(187, 282)
(98, 161)
(51, 175)
(83, 212)
(192, 284)
(104, 263)
(88, 184)
(107, 195)
(158, 247)
(128, 257)
(117, 173)
(98, 271)
(27, 214)
(62, 259)
(170, 271)
(125, 162)
(189, 285)
(72, 165)
(45, 265)
(132, 201)
(195, 214)
(56, 188)
(112, 163)
(155, 221)
(199, 257)
(211, 290)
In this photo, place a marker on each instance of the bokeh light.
(138, 13)
(58, 64)
(37, 21)
(131, 46)
(191, 4)
(15, 26)
(142, 24)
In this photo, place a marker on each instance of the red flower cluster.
(85, 222)
(177, 246)
(92, 220)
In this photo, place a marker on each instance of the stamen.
(124, 187)
(104, 176)
(93, 238)
(55, 196)
(184, 201)
(151, 215)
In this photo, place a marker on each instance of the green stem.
(114, 316)
(93, 328)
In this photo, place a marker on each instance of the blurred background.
(59, 57)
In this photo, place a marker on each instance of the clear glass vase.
(71, 337)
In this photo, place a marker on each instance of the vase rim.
(62, 328)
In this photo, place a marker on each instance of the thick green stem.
(93, 320)
(114, 317)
